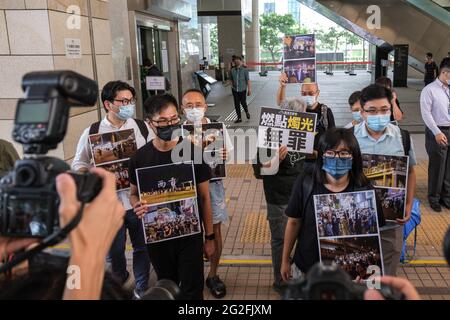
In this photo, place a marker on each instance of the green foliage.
(273, 27)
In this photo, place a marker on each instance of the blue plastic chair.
(411, 226)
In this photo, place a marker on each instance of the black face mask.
(165, 133)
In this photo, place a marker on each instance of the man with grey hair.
(294, 104)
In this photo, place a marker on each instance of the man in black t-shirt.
(180, 259)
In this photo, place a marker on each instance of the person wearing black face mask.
(338, 170)
(179, 259)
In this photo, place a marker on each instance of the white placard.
(73, 48)
(155, 83)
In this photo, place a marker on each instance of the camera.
(330, 282)
(28, 198)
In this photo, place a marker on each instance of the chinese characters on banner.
(278, 127)
(171, 196)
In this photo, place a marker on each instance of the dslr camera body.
(330, 282)
(28, 198)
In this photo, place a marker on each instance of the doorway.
(153, 48)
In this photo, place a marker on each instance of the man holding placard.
(377, 135)
(118, 100)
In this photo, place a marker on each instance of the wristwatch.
(212, 236)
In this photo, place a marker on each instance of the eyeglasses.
(192, 105)
(344, 154)
(309, 93)
(378, 111)
(166, 122)
(126, 102)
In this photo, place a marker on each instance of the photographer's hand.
(92, 238)
(11, 245)
(399, 284)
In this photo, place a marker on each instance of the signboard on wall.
(155, 83)
(73, 48)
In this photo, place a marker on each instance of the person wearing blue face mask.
(119, 102)
(355, 107)
(377, 135)
(339, 169)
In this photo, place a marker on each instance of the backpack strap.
(142, 128)
(324, 117)
(406, 141)
(93, 129)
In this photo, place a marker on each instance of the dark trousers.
(240, 98)
(180, 260)
(141, 261)
(438, 168)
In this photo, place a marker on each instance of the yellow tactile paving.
(256, 229)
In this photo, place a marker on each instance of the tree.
(273, 28)
(214, 44)
(334, 38)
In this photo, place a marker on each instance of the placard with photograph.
(296, 130)
(348, 231)
(299, 58)
(210, 137)
(299, 47)
(389, 174)
(112, 151)
(170, 194)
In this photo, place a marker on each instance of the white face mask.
(195, 115)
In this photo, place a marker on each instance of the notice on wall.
(155, 83)
(73, 48)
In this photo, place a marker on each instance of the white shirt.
(435, 106)
(83, 156)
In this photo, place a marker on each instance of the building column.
(252, 38)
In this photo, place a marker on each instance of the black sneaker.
(238, 121)
(248, 115)
(436, 206)
(216, 287)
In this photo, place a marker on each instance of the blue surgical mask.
(379, 122)
(357, 116)
(310, 100)
(126, 112)
(337, 167)
(448, 82)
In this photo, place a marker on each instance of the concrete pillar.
(252, 38)
(230, 36)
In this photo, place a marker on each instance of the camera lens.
(25, 176)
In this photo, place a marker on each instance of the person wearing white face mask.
(435, 109)
(377, 135)
(119, 102)
(194, 107)
(325, 119)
